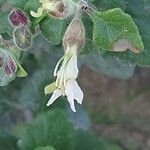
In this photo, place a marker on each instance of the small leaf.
(20, 71)
(53, 29)
(22, 38)
(116, 31)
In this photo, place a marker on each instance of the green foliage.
(53, 29)
(5, 27)
(51, 128)
(112, 25)
(16, 3)
(1, 2)
(87, 141)
(8, 142)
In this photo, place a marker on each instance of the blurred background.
(115, 114)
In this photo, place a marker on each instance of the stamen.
(57, 65)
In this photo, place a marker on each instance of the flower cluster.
(67, 73)
(66, 70)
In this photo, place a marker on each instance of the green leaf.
(5, 27)
(51, 128)
(31, 5)
(20, 71)
(8, 142)
(53, 29)
(116, 31)
(45, 148)
(17, 3)
(86, 141)
(142, 59)
(1, 2)
(108, 4)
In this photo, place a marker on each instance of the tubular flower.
(67, 73)
(55, 8)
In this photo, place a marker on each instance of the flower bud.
(18, 18)
(8, 67)
(22, 38)
(56, 8)
(75, 34)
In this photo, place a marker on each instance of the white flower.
(66, 79)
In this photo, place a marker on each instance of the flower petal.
(71, 68)
(72, 88)
(72, 105)
(55, 95)
(38, 13)
(78, 94)
(69, 91)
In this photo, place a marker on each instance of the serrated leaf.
(53, 29)
(51, 128)
(116, 31)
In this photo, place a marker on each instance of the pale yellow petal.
(38, 13)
